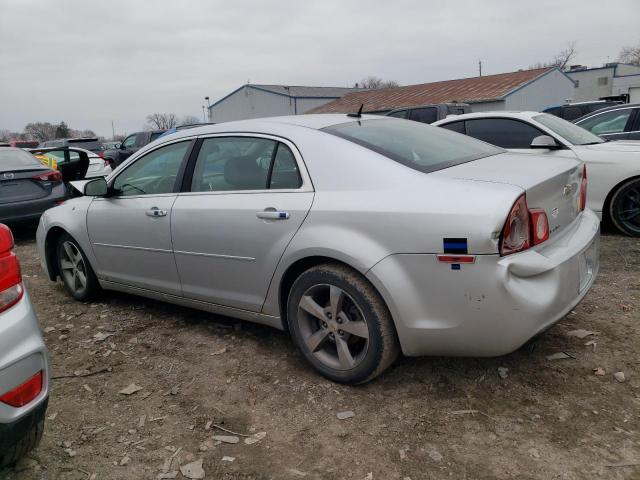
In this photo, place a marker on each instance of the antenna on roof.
(357, 115)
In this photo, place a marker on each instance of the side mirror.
(95, 188)
(117, 145)
(544, 141)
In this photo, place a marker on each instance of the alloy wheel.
(73, 267)
(333, 327)
(628, 208)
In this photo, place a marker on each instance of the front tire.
(78, 277)
(624, 208)
(341, 325)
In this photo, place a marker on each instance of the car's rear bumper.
(31, 209)
(15, 432)
(493, 306)
(22, 355)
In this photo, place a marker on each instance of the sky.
(90, 62)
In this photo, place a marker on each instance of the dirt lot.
(426, 418)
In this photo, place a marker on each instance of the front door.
(130, 230)
(248, 197)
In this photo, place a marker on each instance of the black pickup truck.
(130, 145)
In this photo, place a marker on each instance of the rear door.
(130, 230)
(245, 198)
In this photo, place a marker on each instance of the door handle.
(272, 214)
(156, 212)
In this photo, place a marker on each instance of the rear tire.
(78, 277)
(341, 325)
(11, 454)
(624, 208)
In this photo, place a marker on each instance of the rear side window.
(244, 163)
(424, 115)
(416, 145)
(455, 127)
(503, 132)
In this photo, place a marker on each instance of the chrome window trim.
(597, 113)
(307, 184)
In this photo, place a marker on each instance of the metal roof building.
(522, 90)
(255, 101)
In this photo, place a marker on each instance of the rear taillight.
(539, 226)
(52, 176)
(582, 203)
(516, 233)
(25, 393)
(11, 289)
(524, 228)
(101, 154)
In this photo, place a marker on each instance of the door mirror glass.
(95, 188)
(544, 141)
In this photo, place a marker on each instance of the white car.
(98, 166)
(613, 167)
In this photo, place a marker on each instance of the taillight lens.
(516, 234)
(11, 289)
(539, 226)
(582, 203)
(524, 228)
(52, 176)
(25, 393)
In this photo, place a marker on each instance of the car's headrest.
(244, 172)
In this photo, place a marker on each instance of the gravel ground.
(521, 415)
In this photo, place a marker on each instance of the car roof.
(527, 115)
(620, 106)
(312, 121)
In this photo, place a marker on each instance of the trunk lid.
(552, 184)
(21, 186)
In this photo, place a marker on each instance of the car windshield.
(572, 133)
(416, 145)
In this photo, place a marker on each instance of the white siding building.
(255, 101)
(612, 80)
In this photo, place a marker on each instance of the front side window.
(424, 115)
(233, 163)
(503, 132)
(129, 142)
(572, 133)
(609, 122)
(416, 145)
(153, 174)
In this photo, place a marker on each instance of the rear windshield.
(416, 145)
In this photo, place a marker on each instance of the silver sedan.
(362, 236)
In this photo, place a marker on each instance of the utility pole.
(113, 131)
(208, 108)
(480, 67)
(204, 118)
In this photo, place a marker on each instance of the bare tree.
(161, 121)
(41, 131)
(374, 82)
(630, 55)
(190, 120)
(560, 59)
